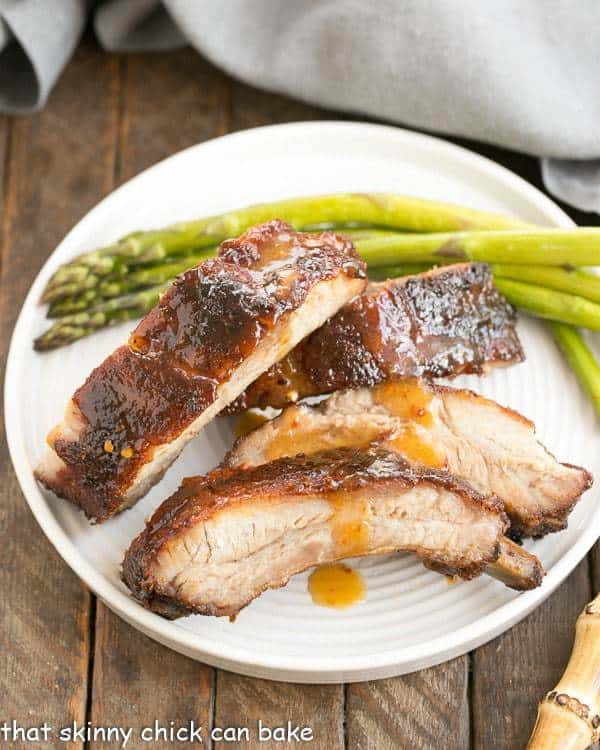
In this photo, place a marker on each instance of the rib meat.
(215, 330)
(223, 539)
(444, 322)
(495, 449)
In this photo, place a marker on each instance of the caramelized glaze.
(406, 399)
(444, 322)
(409, 400)
(349, 532)
(293, 439)
(250, 420)
(206, 324)
(337, 586)
(416, 445)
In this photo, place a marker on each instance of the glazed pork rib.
(440, 323)
(223, 539)
(215, 330)
(493, 448)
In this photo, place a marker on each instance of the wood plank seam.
(470, 693)
(91, 657)
(7, 207)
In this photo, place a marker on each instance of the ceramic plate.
(411, 617)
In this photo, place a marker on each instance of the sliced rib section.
(216, 329)
(493, 448)
(223, 539)
(443, 322)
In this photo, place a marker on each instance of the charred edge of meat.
(539, 492)
(208, 323)
(339, 471)
(441, 323)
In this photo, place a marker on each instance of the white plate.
(411, 618)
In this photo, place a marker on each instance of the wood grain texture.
(137, 682)
(166, 103)
(251, 108)
(59, 165)
(513, 672)
(595, 567)
(426, 710)
(242, 701)
(169, 102)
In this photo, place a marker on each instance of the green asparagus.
(117, 287)
(550, 304)
(570, 280)
(391, 272)
(546, 247)
(580, 358)
(372, 209)
(73, 327)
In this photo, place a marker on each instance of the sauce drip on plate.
(337, 586)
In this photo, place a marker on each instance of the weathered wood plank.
(166, 103)
(59, 165)
(251, 108)
(138, 682)
(513, 672)
(169, 102)
(242, 701)
(594, 558)
(428, 709)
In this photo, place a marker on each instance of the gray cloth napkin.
(524, 75)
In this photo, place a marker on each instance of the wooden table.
(64, 656)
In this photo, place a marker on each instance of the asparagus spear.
(374, 209)
(571, 280)
(117, 287)
(550, 304)
(77, 326)
(393, 272)
(580, 358)
(72, 288)
(545, 247)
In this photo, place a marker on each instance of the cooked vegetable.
(545, 247)
(77, 326)
(580, 359)
(550, 304)
(508, 251)
(141, 278)
(371, 209)
(576, 281)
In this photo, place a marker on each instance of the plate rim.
(276, 666)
